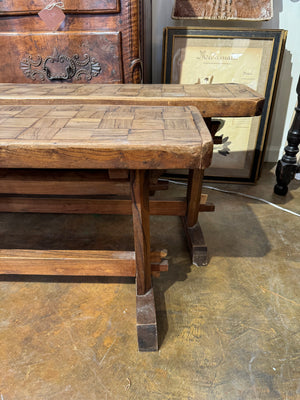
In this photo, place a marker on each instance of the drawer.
(11, 7)
(76, 57)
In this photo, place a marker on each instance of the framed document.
(250, 57)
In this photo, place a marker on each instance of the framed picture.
(251, 57)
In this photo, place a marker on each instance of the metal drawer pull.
(60, 67)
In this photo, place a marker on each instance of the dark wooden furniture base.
(287, 167)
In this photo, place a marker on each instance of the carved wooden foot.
(285, 172)
(287, 166)
(146, 322)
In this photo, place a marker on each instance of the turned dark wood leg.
(145, 306)
(287, 166)
(194, 235)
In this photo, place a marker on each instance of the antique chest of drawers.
(98, 42)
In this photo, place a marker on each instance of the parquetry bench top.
(91, 136)
(215, 100)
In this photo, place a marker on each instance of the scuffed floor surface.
(228, 331)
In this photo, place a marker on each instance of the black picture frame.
(192, 51)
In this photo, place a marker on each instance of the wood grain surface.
(224, 9)
(30, 49)
(90, 136)
(67, 262)
(83, 205)
(12, 7)
(96, 34)
(77, 262)
(215, 100)
(139, 181)
(67, 182)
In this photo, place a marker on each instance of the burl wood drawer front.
(75, 57)
(75, 6)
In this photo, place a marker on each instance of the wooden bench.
(135, 138)
(56, 140)
(216, 100)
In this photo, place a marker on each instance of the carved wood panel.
(224, 9)
(61, 56)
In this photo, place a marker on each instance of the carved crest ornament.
(60, 67)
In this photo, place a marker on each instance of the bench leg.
(146, 322)
(146, 315)
(195, 239)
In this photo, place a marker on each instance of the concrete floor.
(227, 331)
